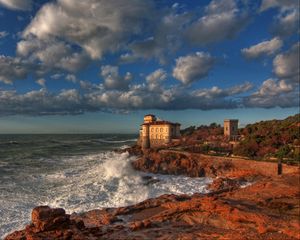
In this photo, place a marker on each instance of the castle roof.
(161, 123)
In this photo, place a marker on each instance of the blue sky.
(99, 66)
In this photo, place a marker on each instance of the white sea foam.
(87, 182)
(116, 141)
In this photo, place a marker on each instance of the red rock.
(268, 209)
(45, 218)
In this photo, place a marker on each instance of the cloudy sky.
(98, 66)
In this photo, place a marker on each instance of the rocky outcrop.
(182, 163)
(133, 150)
(200, 165)
(247, 201)
(268, 209)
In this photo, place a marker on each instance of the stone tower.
(145, 136)
(231, 128)
(148, 119)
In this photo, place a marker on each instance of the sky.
(98, 66)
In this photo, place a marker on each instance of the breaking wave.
(116, 141)
(85, 182)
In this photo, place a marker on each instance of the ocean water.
(77, 173)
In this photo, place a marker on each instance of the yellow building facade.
(155, 133)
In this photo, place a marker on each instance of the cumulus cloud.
(267, 4)
(96, 29)
(264, 48)
(52, 54)
(12, 69)
(169, 98)
(16, 4)
(223, 20)
(155, 79)
(56, 76)
(3, 34)
(71, 78)
(41, 82)
(287, 21)
(193, 67)
(112, 78)
(97, 98)
(273, 93)
(286, 65)
(282, 91)
(40, 102)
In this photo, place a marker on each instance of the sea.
(75, 172)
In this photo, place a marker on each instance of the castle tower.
(231, 128)
(149, 118)
(145, 136)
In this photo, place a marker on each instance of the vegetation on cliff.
(274, 138)
(261, 140)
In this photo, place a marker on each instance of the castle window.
(151, 129)
(161, 129)
(156, 136)
(156, 129)
(161, 136)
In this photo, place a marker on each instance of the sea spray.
(78, 178)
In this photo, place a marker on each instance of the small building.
(231, 128)
(155, 133)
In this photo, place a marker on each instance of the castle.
(155, 133)
(231, 128)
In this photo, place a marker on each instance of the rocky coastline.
(247, 200)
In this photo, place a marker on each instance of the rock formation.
(267, 208)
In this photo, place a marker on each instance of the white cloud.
(96, 29)
(264, 48)
(271, 87)
(41, 82)
(282, 91)
(3, 34)
(112, 78)
(223, 20)
(216, 92)
(286, 65)
(71, 78)
(52, 54)
(96, 98)
(56, 76)
(40, 103)
(156, 78)
(12, 69)
(267, 4)
(273, 93)
(193, 67)
(287, 21)
(16, 4)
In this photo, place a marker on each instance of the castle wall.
(160, 133)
